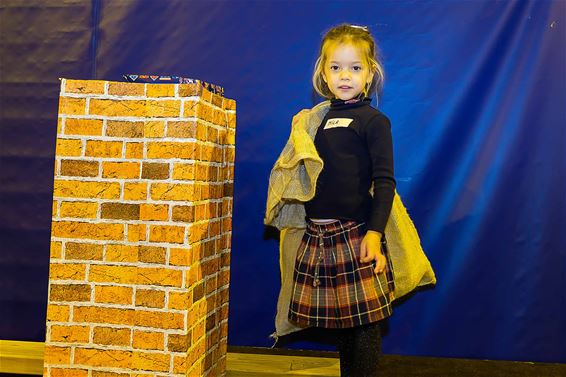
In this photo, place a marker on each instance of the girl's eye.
(357, 68)
(334, 67)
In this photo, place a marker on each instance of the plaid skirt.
(332, 288)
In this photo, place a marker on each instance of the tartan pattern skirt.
(331, 287)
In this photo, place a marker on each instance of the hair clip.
(364, 28)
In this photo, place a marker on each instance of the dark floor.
(408, 366)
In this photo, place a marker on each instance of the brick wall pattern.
(141, 231)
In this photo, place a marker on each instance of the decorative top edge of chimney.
(164, 79)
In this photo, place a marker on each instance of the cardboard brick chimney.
(141, 231)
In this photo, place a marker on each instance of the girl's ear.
(371, 74)
(370, 78)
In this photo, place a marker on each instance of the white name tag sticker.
(337, 122)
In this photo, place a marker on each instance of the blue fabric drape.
(475, 91)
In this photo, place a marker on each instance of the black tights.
(360, 350)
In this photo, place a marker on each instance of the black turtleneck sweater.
(354, 142)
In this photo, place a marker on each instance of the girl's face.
(346, 72)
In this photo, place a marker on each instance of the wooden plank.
(27, 358)
(21, 357)
(247, 364)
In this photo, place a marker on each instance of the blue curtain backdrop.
(475, 90)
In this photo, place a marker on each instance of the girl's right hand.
(370, 250)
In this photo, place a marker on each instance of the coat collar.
(338, 104)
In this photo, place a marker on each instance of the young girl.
(343, 278)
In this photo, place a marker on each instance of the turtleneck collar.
(336, 103)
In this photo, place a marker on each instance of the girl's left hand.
(371, 249)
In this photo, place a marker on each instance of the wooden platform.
(26, 358)
(21, 357)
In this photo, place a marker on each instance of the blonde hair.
(359, 37)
